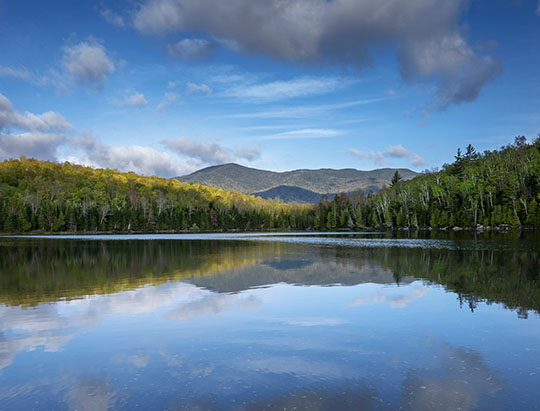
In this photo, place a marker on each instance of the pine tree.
(396, 178)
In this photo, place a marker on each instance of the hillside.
(322, 181)
(291, 194)
(496, 189)
(41, 196)
(499, 188)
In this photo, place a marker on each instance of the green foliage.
(498, 188)
(396, 178)
(39, 196)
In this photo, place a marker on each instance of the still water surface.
(236, 322)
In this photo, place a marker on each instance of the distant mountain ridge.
(297, 185)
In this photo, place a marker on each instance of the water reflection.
(390, 297)
(265, 325)
(461, 380)
(40, 270)
(91, 392)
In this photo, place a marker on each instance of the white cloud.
(538, 8)
(15, 73)
(192, 49)
(376, 156)
(113, 18)
(136, 99)
(280, 90)
(139, 159)
(249, 153)
(88, 64)
(35, 144)
(397, 151)
(162, 15)
(169, 99)
(198, 88)
(417, 161)
(341, 32)
(306, 111)
(41, 135)
(306, 133)
(448, 61)
(211, 153)
(47, 121)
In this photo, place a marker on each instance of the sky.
(167, 87)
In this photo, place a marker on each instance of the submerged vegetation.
(499, 188)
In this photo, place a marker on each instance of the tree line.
(499, 188)
(51, 197)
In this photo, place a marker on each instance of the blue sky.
(170, 86)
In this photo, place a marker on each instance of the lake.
(311, 321)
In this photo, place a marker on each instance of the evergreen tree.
(396, 178)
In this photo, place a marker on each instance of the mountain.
(290, 194)
(289, 185)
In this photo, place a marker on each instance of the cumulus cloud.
(192, 49)
(136, 99)
(9, 117)
(113, 18)
(198, 88)
(139, 159)
(538, 8)
(279, 90)
(211, 153)
(43, 135)
(88, 64)
(397, 151)
(43, 146)
(417, 161)
(449, 62)
(29, 134)
(341, 31)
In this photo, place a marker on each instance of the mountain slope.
(290, 194)
(323, 181)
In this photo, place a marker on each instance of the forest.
(51, 197)
(495, 189)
